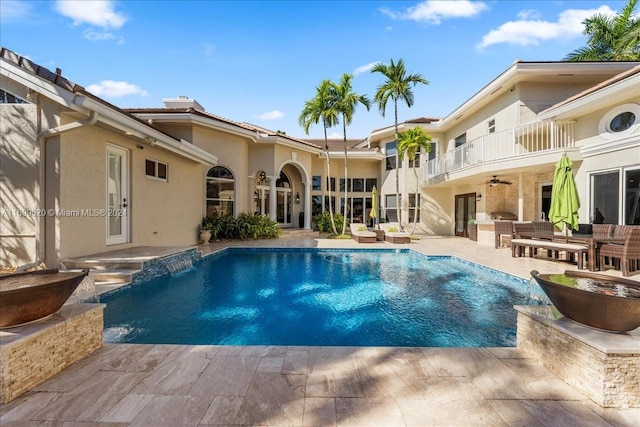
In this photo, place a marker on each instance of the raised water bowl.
(603, 302)
(30, 296)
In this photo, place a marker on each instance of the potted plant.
(205, 229)
(472, 230)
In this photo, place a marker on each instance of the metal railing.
(535, 137)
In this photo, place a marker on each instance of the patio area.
(169, 385)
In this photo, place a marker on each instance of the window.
(416, 160)
(358, 185)
(370, 183)
(413, 205)
(620, 121)
(390, 207)
(8, 98)
(615, 197)
(391, 155)
(220, 191)
(156, 170)
(316, 205)
(316, 183)
(491, 126)
(461, 140)
(434, 150)
(342, 184)
(331, 183)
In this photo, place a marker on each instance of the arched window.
(220, 191)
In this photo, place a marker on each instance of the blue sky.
(259, 61)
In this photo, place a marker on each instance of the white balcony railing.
(515, 142)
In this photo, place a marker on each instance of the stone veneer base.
(604, 366)
(33, 353)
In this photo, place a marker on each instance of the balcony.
(523, 140)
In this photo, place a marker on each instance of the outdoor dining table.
(588, 240)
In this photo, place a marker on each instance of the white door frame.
(117, 216)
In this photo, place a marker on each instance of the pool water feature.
(321, 297)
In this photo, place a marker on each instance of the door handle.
(124, 203)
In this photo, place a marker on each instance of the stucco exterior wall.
(161, 213)
(19, 176)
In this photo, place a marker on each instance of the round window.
(622, 121)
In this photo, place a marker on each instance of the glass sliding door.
(465, 209)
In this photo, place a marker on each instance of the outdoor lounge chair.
(392, 233)
(361, 234)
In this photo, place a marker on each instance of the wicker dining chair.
(502, 228)
(627, 254)
(605, 230)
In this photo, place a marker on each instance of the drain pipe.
(41, 140)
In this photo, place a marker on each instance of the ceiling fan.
(495, 181)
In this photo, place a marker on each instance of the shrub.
(323, 222)
(246, 226)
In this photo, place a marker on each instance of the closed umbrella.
(564, 196)
(374, 205)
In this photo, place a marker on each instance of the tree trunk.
(344, 220)
(398, 201)
(416, 210)
(326, 150)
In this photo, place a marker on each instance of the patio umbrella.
(564, 196)
(374, 205)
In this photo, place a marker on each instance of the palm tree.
(410, 142)
(611, 38)
(397, 86)
(322, 107)
(346, 102)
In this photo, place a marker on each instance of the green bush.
(323, 222)
(246, 226)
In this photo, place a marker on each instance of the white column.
(272, 197)
(520, 196)
(307, 205)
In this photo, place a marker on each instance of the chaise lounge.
(392, 233)
(361, 234)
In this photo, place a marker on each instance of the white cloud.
(101, 36)
(365, 68)
(434, 11)
(271, 115)
(113, 89)
(96, 13)
(14, 9)
(335, 135)
(530, 30)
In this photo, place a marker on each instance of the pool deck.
(169, 385)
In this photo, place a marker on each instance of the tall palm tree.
(346, 103)
(322, 107)
(410, 142)
(614, 38)
(397, 86)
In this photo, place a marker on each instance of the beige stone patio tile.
(618, 417)
(178, 373)
(263, 350)
(296, 362)
(229, 350)
(25, 406)
(445, 362)
(154, 356)
(393, 374)
(93, 398)
(540, 383)
(507, 353)
(172, 411)
(127, 409)
(319, 411)
(223, 410)
(559, 413)
(83, 369)
(515, 413)
(273, 399)
(452, 401)
(330, 384)
(270, 364)
(226, 376)
(368, 412)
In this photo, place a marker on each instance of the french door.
(117, 215)
(465, 208)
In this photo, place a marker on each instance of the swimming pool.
(321, 297)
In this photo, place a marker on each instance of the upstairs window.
(391, 155)
(491, 126)
(9, 98)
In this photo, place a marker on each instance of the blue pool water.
(321, 297)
